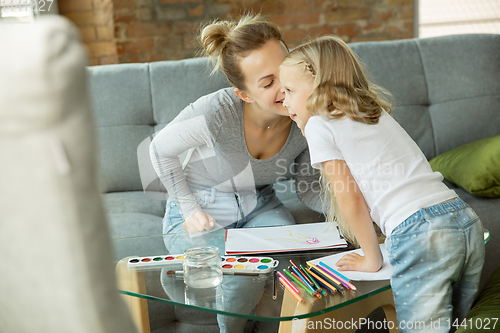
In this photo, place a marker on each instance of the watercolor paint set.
(230, 264)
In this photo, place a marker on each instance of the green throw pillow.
(474, 166)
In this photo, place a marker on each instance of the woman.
(240, 141)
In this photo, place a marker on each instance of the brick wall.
(120, 31)
(94, 19)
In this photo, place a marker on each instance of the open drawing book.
(297, 237)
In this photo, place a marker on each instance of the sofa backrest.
(133, 101)
(446, 93)
(446, 89)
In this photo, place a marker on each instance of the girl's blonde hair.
(228, 42)
(340, 89)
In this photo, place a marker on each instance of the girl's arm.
(352, 205)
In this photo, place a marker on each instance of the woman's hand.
(356, 262)
(198, 221)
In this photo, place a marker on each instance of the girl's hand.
(356, 262)
(198, 221)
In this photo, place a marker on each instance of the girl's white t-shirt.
(388, 166)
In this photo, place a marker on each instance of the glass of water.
(202, 267)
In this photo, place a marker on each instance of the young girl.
(376, 172)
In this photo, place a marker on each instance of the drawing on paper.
(297, 238)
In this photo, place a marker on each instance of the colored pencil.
(327, 271)
(325, 284)
(322, 270)
(294, 277)
(288, 282)
(294, 264)
(301, 274)
(339, 276)
(275, 289)
(298, 281)
(318, 287)
(301, 270)
(329, 275)
(301, 277)
(326, 277)
(298, 271)
(290, 290)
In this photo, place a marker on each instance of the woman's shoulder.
(217, 105)
(220, 99)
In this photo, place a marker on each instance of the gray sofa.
(446, 90)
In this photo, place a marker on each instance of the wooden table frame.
(134, 281)
(349, 313)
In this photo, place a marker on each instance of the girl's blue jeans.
(437, 256)
(239, 292)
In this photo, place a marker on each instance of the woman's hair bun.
(215, 35)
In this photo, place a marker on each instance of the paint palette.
(230, 264)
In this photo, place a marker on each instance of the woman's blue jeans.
(239, 292)
(437, 256)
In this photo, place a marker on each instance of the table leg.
(133, 281)
(351, 313)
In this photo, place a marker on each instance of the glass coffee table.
(249, 297)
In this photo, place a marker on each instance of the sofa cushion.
(175, 84)
(123, 111)
(132, 202)
(405, 78)
(132, 214)
(474, 166)
(464, 90)
(437, 83)
(484, 315)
